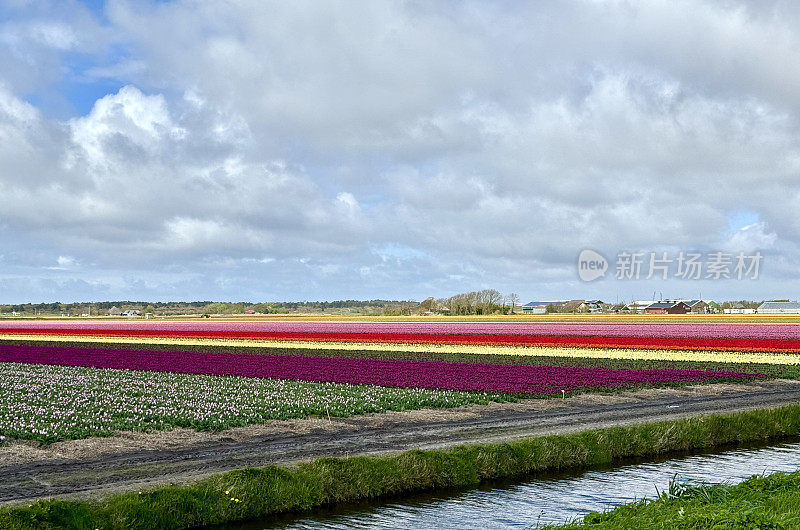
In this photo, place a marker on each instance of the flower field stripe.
(541, 351)
(716, 344)
(50, 403)
(522, 379)
(719, 330)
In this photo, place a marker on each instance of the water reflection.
(545, 499)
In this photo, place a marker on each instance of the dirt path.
(131, 461)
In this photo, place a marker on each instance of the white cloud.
(56, 35)
(66, 261)
(751, 238)
(377, 145)
(121, 123)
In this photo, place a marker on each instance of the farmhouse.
(540, 307)
(667, 308)
(695, 306)
(738, 308)
(638, 306)
(131, 313)
(592, 306)
(779, 307)
(114, 311)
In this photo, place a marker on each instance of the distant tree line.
(337, 304)
(95, 308)
(375, 307)
(484, 302)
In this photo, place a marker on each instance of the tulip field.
(703, 336)
(50, 403)
(68, 379)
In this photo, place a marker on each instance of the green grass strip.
(256, 493)
(760, 502)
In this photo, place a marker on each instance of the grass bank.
(760, 502)
(257, 493)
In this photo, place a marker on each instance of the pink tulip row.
(722, 330)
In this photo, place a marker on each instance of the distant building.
(540, 307)
(131, 313)
(114, 311)
(695, 306)
(667, 308)
(592, 306)
(638, 306)
(698, 306)
(774, 308)
(737, 308)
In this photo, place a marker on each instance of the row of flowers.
(677, 343)
(356, 348)
(718, 330)
(484, 377)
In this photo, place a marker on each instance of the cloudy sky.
(253, 150)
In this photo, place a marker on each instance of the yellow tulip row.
(545, 351)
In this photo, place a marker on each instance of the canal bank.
(547, 498)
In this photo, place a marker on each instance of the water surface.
(546, 498)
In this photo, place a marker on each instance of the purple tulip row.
(723, 330)
(384, 372)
